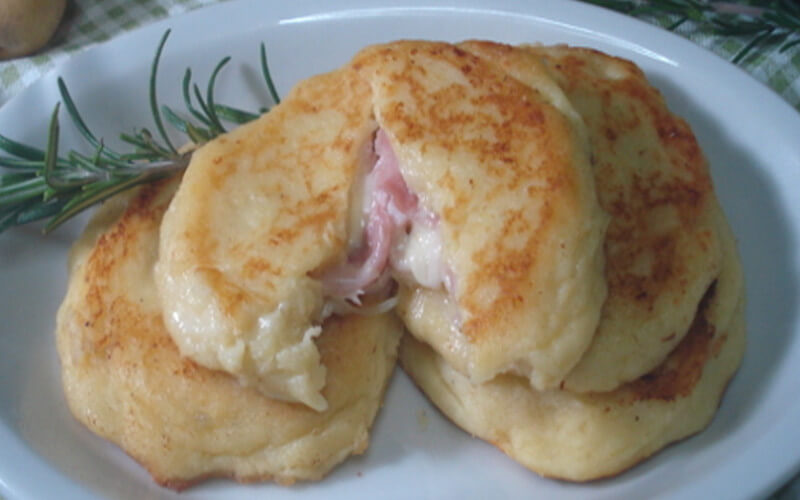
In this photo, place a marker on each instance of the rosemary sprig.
(763, 23)
(153, 95)
(40, 184)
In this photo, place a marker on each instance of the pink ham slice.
(391, 207)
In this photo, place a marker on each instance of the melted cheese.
(269, 348)
(417, 258)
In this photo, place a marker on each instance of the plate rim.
(768, 98)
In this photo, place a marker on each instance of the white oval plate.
(749, 134)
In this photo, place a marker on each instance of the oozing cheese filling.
(394, 236)
(272, 348)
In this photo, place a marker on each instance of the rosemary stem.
(10, 195)
(153, 99)
(267, 76)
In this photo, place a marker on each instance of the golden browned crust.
(588, 436)
(505, 166)
(126, 381)
(678, 375)
(259, 210)
(607, 433)
(662, 250)
(313, 193)
(686, 187)
(447, 117)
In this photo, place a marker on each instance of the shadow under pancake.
(763, 231)
(409, 432)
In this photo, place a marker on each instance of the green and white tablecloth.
(88, 22)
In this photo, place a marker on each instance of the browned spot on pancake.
(117, 242)
(491, 117)
(305, 180)
(719, 342)
(508, 269)
(514, 103)
(500, 440)
(255, 266)
(686, 189)
(678, 375)
(221, 171)
(643, 288)
(232, 298)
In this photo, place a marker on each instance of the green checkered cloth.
(88, 22)
(85, 23)
(779, 70)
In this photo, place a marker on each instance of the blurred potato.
(27, 25)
